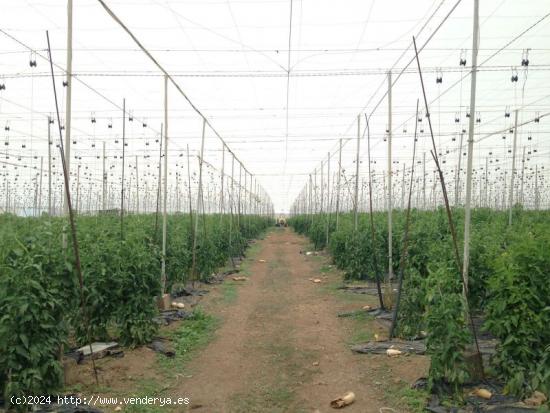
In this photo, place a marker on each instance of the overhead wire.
(168, 75)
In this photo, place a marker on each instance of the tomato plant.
(39, 294)
(508, 282)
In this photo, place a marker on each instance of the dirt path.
(281, 347)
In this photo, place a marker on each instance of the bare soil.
(280, 346)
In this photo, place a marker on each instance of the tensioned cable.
(176, 85)
(407, 65)
(116, 105)
(269, 74)
(288, 83)
(112, 102)
(484, 61)
(464, 76)
(358, 50)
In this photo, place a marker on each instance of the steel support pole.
(467, 211)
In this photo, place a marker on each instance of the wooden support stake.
(165, 189)
(76, 250)
(199, 199)
(522, 177)
(328, 199)
(404, 252)
(157, 210)
(104, 183)
(123, 168)
(356, 194)
(390, 203)
(468, 182)
(373, 237)
(338, 179)
(137, 186)
(511, 201)
(457, 181)
(50, 211)
(40, 187)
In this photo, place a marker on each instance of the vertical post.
(371, 217)
(362, 196)
(104, 197)
(137, 186)
(35, 203)
(417, 181)
(7, 206)
(403, 258)
(146, 197)
(511, 201)
(165, 188)
(328, 198)
(503, 199)
(247, 193)
(250, 196)
(68, 107)
(159, 181)
(239, 211)
(199, 198)
(129, 198)
(222, 179)
(434, 191)
(315, 190)
(403, 188)
(355, 206)
(390, 204)
(40, 187)
(522, 176)
(486, 182)
(68, 102)
(322, 187)
(424, 180)
(88, 204)
(190, 200)
(231, 198)
(177, 193)
(467, 212)
(49, 167)
(244, 192)
(536, 187)
(123, 168)
(310, 200)
(77, 206)
(478, 182)
(338, 178)
(457, 181)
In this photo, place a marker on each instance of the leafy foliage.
(446, 325)
(519, 310)
(33, 299)
(508, 281)
(413, 305)
(39, 294)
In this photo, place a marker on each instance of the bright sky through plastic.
(231, 58)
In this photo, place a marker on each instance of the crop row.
(41, 309)
(509, 285)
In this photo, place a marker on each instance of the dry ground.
(280, 346)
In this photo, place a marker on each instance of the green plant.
(518, 311)
(508, 280)
(33, 329)
(447, 333)
(40, 298)
(192, 334)
(413, 305)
